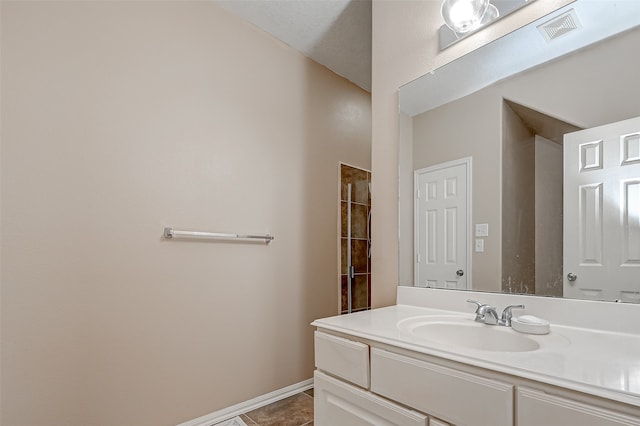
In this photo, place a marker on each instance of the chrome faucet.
(488, 314)
(506, 315)
(485, 313)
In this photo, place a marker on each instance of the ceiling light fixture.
(463, 17)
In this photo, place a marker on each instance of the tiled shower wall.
(360, 210)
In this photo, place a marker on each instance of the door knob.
(571, 276)
(459, 272)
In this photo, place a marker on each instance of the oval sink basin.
(469, 334)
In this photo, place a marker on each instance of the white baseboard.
(252, 404)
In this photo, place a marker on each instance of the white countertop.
(602, 363)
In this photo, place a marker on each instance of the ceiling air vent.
(560, 25)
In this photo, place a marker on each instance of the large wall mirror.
(520, 162)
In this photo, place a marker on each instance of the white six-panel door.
(441, 225)
(602, 212)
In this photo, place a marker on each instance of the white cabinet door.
(455, 396)
(537, 408)
(339, 404)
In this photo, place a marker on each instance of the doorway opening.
(532, 199)
(355, 239)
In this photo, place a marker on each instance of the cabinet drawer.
(343, 358)
(456, 397)
(338, 403)
(537, 408)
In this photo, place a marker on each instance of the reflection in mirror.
(512, 125)
(532, 199)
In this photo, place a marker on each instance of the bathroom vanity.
(474, 140)
(429, 364)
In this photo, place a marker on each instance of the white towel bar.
(170, 233)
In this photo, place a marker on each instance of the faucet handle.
(482, 310)
(479, 314)
(478, 304)
(507, 315)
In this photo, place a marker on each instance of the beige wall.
(439, 136)
(549, 199)
(405, 198)
(120, 118)
(405, 46)
(518, 224)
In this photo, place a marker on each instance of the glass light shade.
(463, 16)
(491, 14)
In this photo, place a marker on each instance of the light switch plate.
(482, 229)
(479, 245)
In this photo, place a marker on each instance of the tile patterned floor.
(297, 410)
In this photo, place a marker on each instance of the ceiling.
(334, 33)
